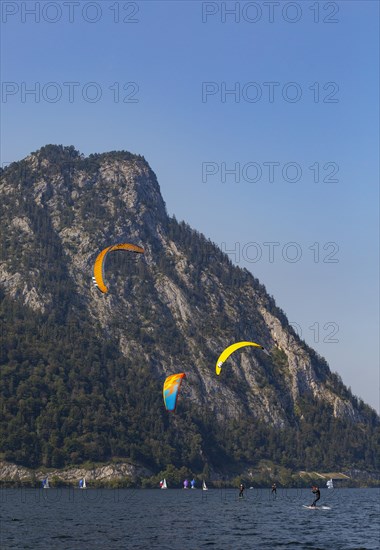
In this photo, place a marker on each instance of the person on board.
(274, 490)
(315, 490)
(241, 490)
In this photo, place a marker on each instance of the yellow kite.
(227, 352)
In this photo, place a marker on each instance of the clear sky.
(284, 93)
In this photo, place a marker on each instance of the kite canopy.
(98, 277)
(227, 352)
(171, 389)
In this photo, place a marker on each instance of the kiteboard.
(316, 507)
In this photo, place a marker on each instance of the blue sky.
(164, 60)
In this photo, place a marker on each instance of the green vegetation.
(69, 396)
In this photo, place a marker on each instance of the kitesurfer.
(242, 488)
(274, 490)
(315, 490)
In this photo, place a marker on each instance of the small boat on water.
(163, 484)
(186, 484)
(82, 483)
(192, 483)
(45, 483)
(204, 486)
(330, 484)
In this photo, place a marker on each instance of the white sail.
(46, 483)
(164, 486)
(330, 484)
(204, 486)
(82, 483)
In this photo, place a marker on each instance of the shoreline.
(126, 475)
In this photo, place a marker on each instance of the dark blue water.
(176, 519)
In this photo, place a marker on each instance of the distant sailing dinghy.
(330, 484)
(163, 484)
(82, 483)
(192, 482)
(45, 483)
(204, 486)
(186, 484)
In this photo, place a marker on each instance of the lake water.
(71, 519)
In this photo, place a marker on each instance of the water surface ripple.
(71, 519)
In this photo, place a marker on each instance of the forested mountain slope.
(82, 372)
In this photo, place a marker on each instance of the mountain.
(82, 372)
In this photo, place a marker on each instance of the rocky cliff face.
(175, 308)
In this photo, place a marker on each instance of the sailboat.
(192, 483)
(45, 483)
(186, 484)
(82, 483)
(204, 486)
(330, 484)
(163, 484)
